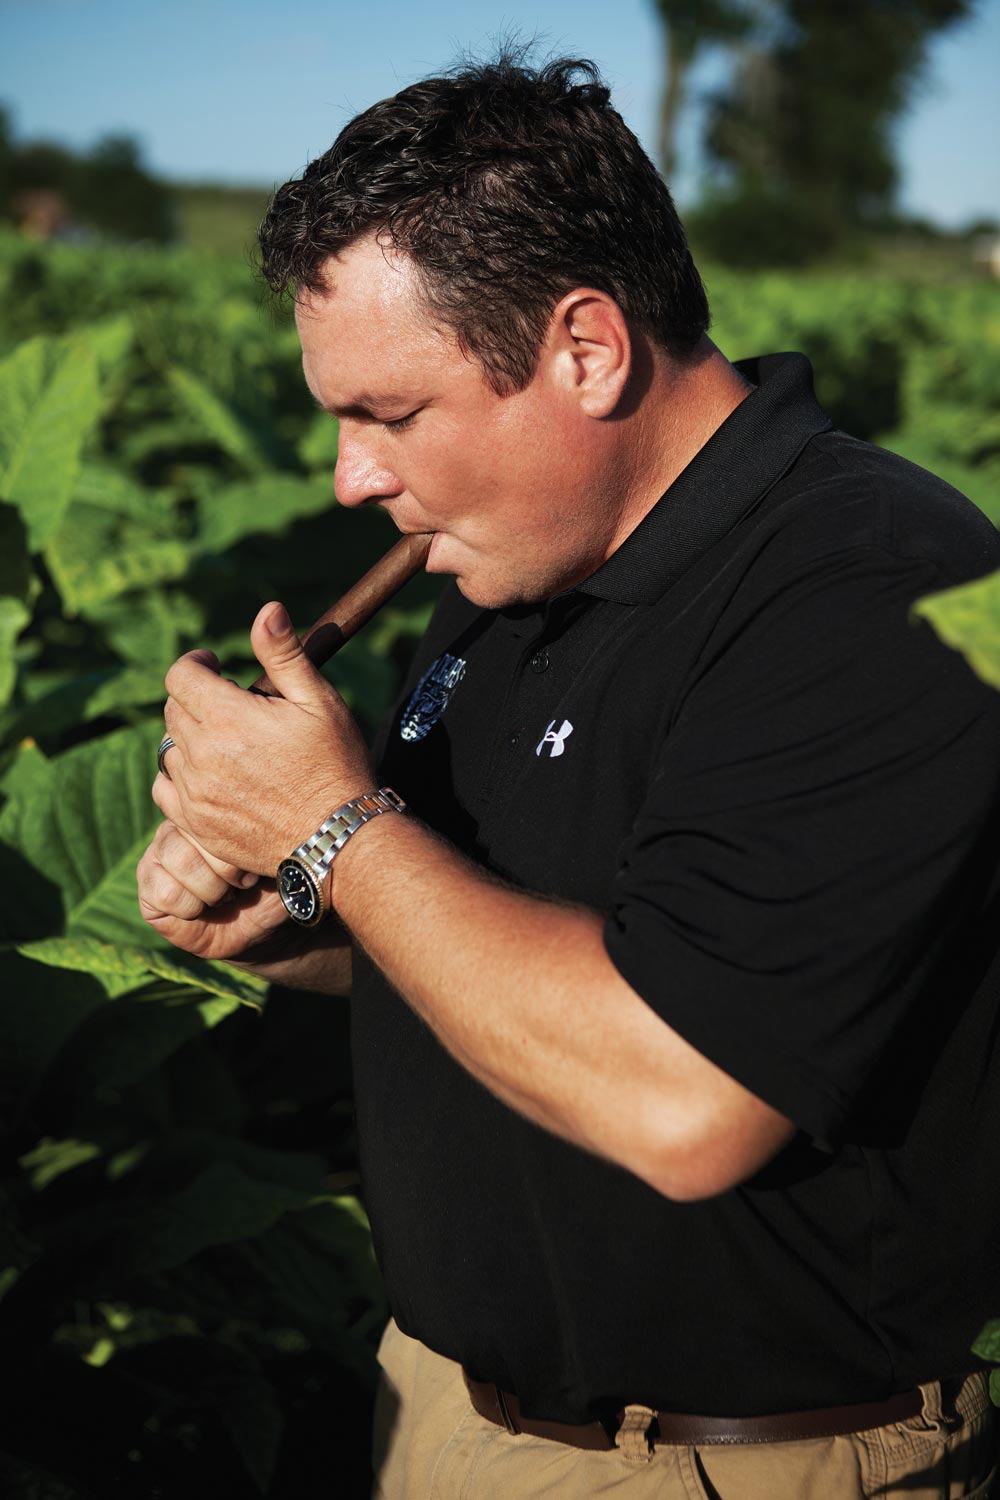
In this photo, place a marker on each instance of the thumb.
(280, 653)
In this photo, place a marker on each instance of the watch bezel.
(317, 888)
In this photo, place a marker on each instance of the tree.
(688, 26)
(107, 189)
(806, 126)
(119, 196)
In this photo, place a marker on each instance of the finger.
(231, 874)
(165, 794)
(179, 857)
(168, 747)
(194, 680)
(279, 651)
(207, 658)
(178, 720)
(161, 893)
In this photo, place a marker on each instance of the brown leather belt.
(504, 1409)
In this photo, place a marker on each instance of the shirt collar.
(742, 460)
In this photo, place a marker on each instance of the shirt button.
(540, 661)
(514, 738)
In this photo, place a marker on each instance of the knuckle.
(175, 898)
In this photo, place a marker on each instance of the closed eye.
(400, 424)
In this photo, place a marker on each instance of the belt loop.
(933, 1413)
(632, 1437)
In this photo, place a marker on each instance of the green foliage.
(912, 366)
(802, 134)
(968, 619)
(106, 189)
(175, 1265)
(48, 406)
(185, 1277)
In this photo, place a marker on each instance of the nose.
(359, 478)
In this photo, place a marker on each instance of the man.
(674, 988)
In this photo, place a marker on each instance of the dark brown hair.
(507, 186)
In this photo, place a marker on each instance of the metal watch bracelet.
(312, 859)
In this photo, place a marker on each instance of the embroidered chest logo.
(431, 697)
(556, 738)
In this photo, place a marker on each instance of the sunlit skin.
(526, 494)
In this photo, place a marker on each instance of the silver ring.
(165, 744)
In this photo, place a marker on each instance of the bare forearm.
(524, 996)
(319, 961)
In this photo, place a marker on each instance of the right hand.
(201, 904)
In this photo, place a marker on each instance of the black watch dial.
(298, 893)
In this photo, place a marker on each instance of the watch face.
(298, 893)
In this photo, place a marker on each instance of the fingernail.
(249, 879)
(278, 623)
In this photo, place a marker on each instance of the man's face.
(515, 488)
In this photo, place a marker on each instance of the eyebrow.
(365, 406)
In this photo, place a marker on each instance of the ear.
(591, 347)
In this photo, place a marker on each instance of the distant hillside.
(209, 216)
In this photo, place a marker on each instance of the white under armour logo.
(555, 738)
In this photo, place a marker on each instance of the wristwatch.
(301, 876)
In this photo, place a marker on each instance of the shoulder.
(845, 495)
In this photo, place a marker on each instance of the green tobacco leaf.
(82, 822)
(112, 490)
(218, 420)
(48, 406)
(316, 1271)
(147, 629)
(209, 1375)
(18, 588)
(967, 618)
(40, 1010)
(31, 908)
(95, 555)
(229, 985)
(88, 829)
(62, 701)
(220, 1205)
(50, 1159)
(987, 1345)
(260, 506)
(17, 1252)
(318, 448)
(121, 967)
(124, 1043)
(28, 775)
(13, 618)
(111, 340)
(17, 577)
(249, 1409)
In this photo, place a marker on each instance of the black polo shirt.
(783, 793)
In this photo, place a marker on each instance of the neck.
(682, 404)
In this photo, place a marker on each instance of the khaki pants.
(429, 1444)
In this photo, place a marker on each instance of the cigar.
(364, 599)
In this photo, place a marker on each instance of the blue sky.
(248, 90)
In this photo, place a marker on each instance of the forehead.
(372, 312)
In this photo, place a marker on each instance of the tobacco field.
(188, 1299)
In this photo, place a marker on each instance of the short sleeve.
(814, 831)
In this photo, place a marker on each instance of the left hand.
(252, 777)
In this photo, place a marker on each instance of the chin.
(496, 595)
(497, 587)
